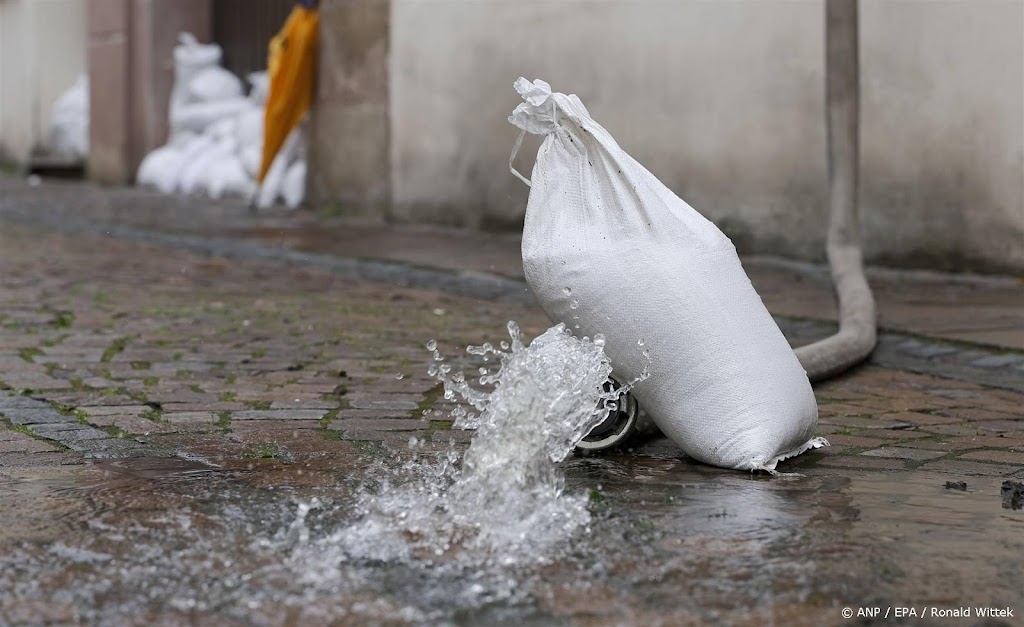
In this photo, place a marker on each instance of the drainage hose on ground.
(857, 317)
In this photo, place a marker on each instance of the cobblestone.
(229, 355)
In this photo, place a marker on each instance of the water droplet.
(567, 291)
(599, 339)
(398, 376)
(432, 345)
(574, 304)
(640, 342)
(576, 326)
(482, 370)
(432, 371)
(439, 312)
(504, 345)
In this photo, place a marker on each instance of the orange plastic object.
(291, 64)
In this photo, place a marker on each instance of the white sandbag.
(251, 157)
(159, 168)
(293, 187)
(227, 177)
(607, 248)
(214, 83)
(249, 127)
(69, 121)
(196, 116)
(271, 187)
(194, 176)
(190, 152)
(190, 58)
(224, 128)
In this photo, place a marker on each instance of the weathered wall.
(350, 123)
(42, 52)
(724, 102)
(131, 71)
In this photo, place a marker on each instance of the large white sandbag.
(224, 128)
(249, 127)
(196, 116)
(194, 176)
(214, 83)
(192, 150)
(227, 177)
(251, 157)
(190, 58)
(159, 168)
(69, 121)
(293, 187)
(607, 248)
(270, 189)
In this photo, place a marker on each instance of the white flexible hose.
(857, 317)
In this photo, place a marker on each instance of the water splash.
(503, 502)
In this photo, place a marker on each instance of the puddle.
(669, 542)
(497, 534)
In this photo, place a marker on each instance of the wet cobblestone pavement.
(161, 408)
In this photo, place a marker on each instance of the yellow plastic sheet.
(291, 64)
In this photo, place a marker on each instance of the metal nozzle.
(616, 428)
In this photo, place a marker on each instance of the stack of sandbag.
(216, 135)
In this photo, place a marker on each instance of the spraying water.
(504, 503)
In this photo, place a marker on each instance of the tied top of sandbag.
(542, 107)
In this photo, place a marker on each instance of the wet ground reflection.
(170, 541)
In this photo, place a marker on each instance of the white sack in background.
(69, 121)
(160, 167)
(195, 175)
(192, 150)
(251, 157)
(249, 127)
(293, 188)
(271, 187)
(214, 83)
(190, 58)
(227, 177)
(196, 116)
(607, 248)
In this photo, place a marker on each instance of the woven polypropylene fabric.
(607, 248)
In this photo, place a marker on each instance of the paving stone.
(855, 440)
(897, 452)
(279, 414)
(964, 467)
(1000, 426)
(978, 414)
(998, 361)
(917, 418)
(133, 424)
(26, 445)
(869, 463)
(383, 424)
(190, 418)
(865, 423)
(1006, 457)
(383, 404)
(116, 410)
(239, 426)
